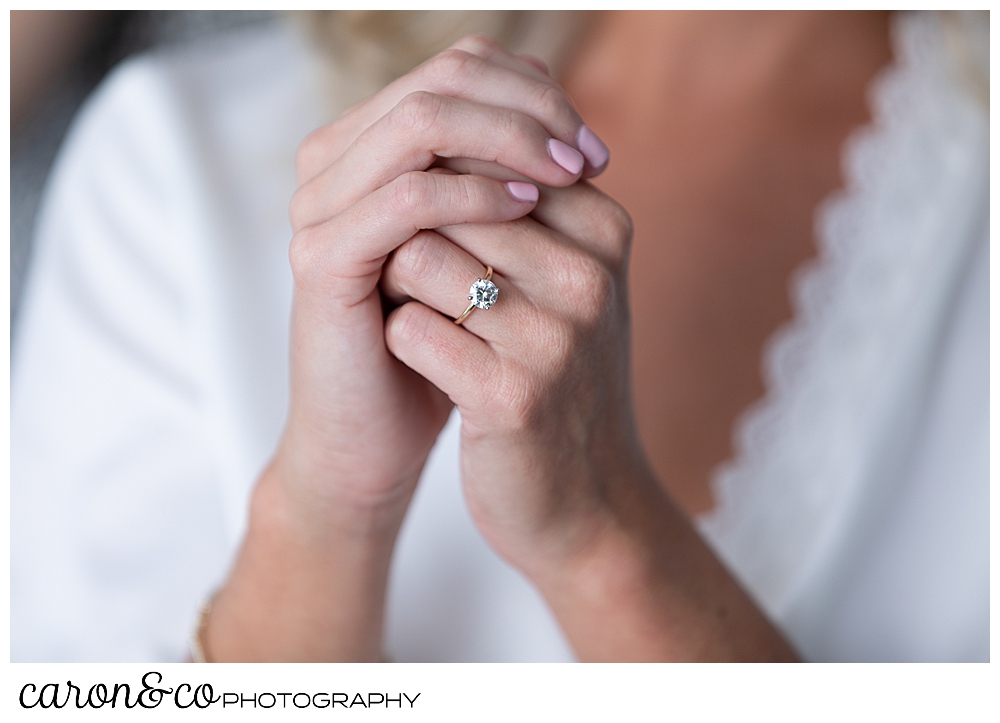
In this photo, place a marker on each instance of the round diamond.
(483, 293)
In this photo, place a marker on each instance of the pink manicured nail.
(523, 191)
(567, 157)
(592, 147)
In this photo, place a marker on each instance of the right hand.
(361, 424)
(309, 582)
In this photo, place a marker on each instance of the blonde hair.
(368, 49)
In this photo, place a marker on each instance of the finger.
(537, 62)
(451, 358)
(586, 141)
(462, 74)
(489, 49)
(584, 213)
(581, 216)
(423, 127)
(437, 273)
(520, 251)
(351, 246)
(458, 74)
(480, 168)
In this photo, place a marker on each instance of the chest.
(722, 180)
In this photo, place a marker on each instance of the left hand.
(552, 468)
(549, 444)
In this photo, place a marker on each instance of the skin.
(401, 202)
(727, 130)
(326, 512)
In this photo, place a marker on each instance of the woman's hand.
(542, 377)
(553, 471)
(475, 68)
(361, 423)
(310, 579)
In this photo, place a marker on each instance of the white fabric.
(857, 508)
(149, 386)
(150, 377)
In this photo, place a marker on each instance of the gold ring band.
(472, 304)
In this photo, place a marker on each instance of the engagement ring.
(482, 294)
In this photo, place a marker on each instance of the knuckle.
(591, 287)
(560, 345)
(515, 401)
(465, 192)
(478, 44)
(417, 111)
(616, 227)
(301, 206)
(420, 259)
(409, 325)
(518, 396)
(452, 67)
(515, 127)
(309, 150)
(411, 191)
(598, 294)
(303, 257)
(550, 101)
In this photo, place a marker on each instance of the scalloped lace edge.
(793, 461)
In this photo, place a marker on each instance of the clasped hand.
(471, 159)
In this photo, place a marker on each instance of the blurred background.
(57, 57)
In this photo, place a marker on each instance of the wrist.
(325, 500)
(615, 514)
(646, 588)
(613, 591)
(305, 587)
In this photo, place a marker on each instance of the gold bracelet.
(197, 638)
(197, 646)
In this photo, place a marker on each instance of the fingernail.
(566, 156)
(593, 148)
(523, 191)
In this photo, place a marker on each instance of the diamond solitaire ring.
(482, 294)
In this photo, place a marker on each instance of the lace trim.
(802, 452)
